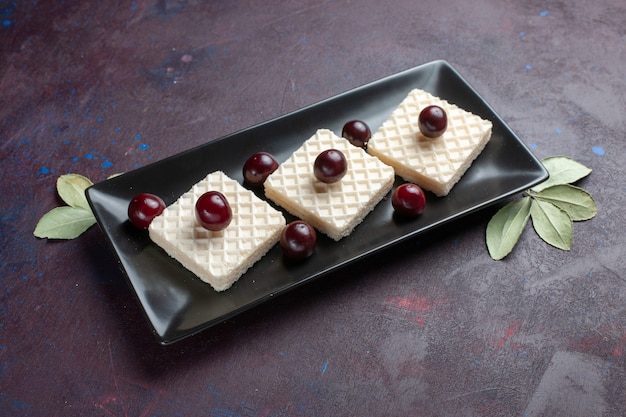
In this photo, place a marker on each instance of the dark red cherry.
(213, 211)
(357, 132)
(330, 166)
(298, 240)
(258, 167)
(408, 200)
(433, 121)
(143, 208)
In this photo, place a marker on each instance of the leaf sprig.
(68, 222)
(553, 206)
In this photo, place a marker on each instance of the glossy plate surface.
(177, 304)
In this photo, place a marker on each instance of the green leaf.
(552, 224)
(71, 189)
(575, 201)
(563, 170)
(64, 223)
(506, 226)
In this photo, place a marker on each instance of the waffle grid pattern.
(337, 205)
(254, 222)
(441, 159)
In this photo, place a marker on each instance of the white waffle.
(218, 258)
(334, 209)
(434, 164)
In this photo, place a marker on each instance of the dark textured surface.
(433, 327)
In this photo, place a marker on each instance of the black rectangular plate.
(177, 304)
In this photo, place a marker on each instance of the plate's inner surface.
(178, 304)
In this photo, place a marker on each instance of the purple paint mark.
(544, 13)
(598, 150)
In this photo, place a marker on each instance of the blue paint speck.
(528, 67)
(19, 405)
(44, 170)
(6, 23)
(598, 150)
(137, 137)
(533, 146)
(324, 367)
(557, 130)
(544, 13)
(521, 34)
(107, 164)
(144, 146)
(75, 159)
(89, 156)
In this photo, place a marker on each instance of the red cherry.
(357, 132)
(408, 200)
(433, 121)
(258, 167)
(213, 211)
(143, 208)
(298, 240)
(330, 166)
